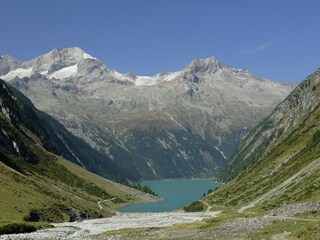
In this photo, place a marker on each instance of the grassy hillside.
(284, 166)
(289, 174)
(39, 186)
(48, 188)
(57, 191)
(287, 116)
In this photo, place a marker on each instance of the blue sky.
(276, 39)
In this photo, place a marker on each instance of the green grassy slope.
(57, 191)
(288, 115)
(54, 190)
(37, 185)
(295, 153)
(285, 166)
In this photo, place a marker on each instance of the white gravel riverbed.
(87, 228)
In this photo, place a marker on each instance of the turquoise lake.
(175, 193)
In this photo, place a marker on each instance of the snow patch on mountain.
(153, 80)
(145, 81)
(64, 72)
(88, 56)
(121, 76)
(149, 163)
(58, 63)
(220, 152)
(19, 72)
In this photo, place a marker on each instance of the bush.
(196, 206)
(138, 186)
(17, 228)
(316, 137)
(117, 200)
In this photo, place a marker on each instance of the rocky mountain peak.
(209, 65)
(7, 63)
(6, 57)
(58, 59)
(74, 52)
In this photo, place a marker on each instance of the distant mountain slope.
(172, 125)
(293, 111)
(37, 185)
(55, 138)
(279, 161)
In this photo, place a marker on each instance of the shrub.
(138, 186)
(196, 206)
(17, 228)
(316, 137)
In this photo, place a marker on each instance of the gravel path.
(87, 228)
(281, 236)
(107, 200)
(207, 205)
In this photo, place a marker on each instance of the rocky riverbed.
(89, 228)
(153, 226)
(233, 229)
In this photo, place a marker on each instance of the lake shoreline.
(175, 194)
(175, 179)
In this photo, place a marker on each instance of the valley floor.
(299, 221)
(89, 228)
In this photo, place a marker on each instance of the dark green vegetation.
(17, 228)
(138, 186)
(196, 206)
(174, 154)
(22, 227)
(37, 185)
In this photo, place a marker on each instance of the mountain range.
(172, 125)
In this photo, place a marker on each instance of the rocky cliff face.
(176, 124)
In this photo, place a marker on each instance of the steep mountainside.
(37, 185)
(293, 111)
(180, 124)
(56, 138)
(279, 161)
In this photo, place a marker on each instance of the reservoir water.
(175, 193)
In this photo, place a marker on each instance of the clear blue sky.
(276, 39)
